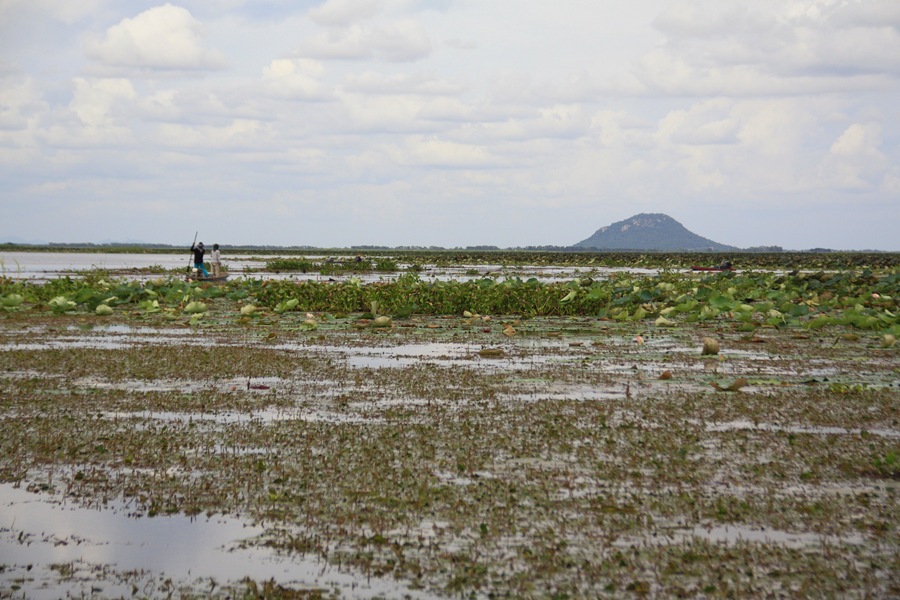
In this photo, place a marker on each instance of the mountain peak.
(649, 231)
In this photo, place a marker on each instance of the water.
(43, 266)
(40, 532)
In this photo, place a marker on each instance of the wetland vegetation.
(503, 436)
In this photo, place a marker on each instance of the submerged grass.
(559, 465)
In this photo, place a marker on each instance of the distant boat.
(197, 277)
(720, 268)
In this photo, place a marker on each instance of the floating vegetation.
(494, 438)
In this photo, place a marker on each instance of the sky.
(449, 123)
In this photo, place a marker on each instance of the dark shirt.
(198, 254)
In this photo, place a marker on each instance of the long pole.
(191, 259)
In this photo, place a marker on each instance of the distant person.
(198, 251)
(726, 265)
(216, 261)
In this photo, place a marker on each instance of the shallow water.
(38, 531)
(354, 376)
(798, 429)
(43, 266)
(731, 535)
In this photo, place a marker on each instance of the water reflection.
(39, 533)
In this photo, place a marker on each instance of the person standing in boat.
(215, 260)
(198, 251)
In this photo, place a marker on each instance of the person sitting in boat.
(216, 261)
(725, 266)
(198, 251)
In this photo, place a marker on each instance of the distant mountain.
(649, 231)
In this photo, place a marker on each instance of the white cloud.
(20, 99)
(343, 12)
(397, 41)
(63, 10)
(95, 101)
(240, 133)
(430, 151)
(855, 160)
(98, 116)
(298, 79)
(372, 82)
(382, 113)
(708, 122)
(771, 46)
(166, 37)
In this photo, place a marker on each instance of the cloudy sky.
(449, 122)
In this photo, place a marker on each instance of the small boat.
(197, 277)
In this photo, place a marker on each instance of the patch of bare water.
(51, 548)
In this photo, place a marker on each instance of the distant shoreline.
(88, 247)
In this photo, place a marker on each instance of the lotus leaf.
(61, 304)
(287, 305)
(150, 306)
(196, 308)
(686, 306)
(103, 310)
(708, 312)
(819, 322)
(743, 317)
(598, 293)
(382, 321)
(799, 310)
(83, 295)
(721, 302)
(13, 300)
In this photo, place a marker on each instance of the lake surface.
(43, 266)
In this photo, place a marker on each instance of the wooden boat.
(712, 269)
(198, 277)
